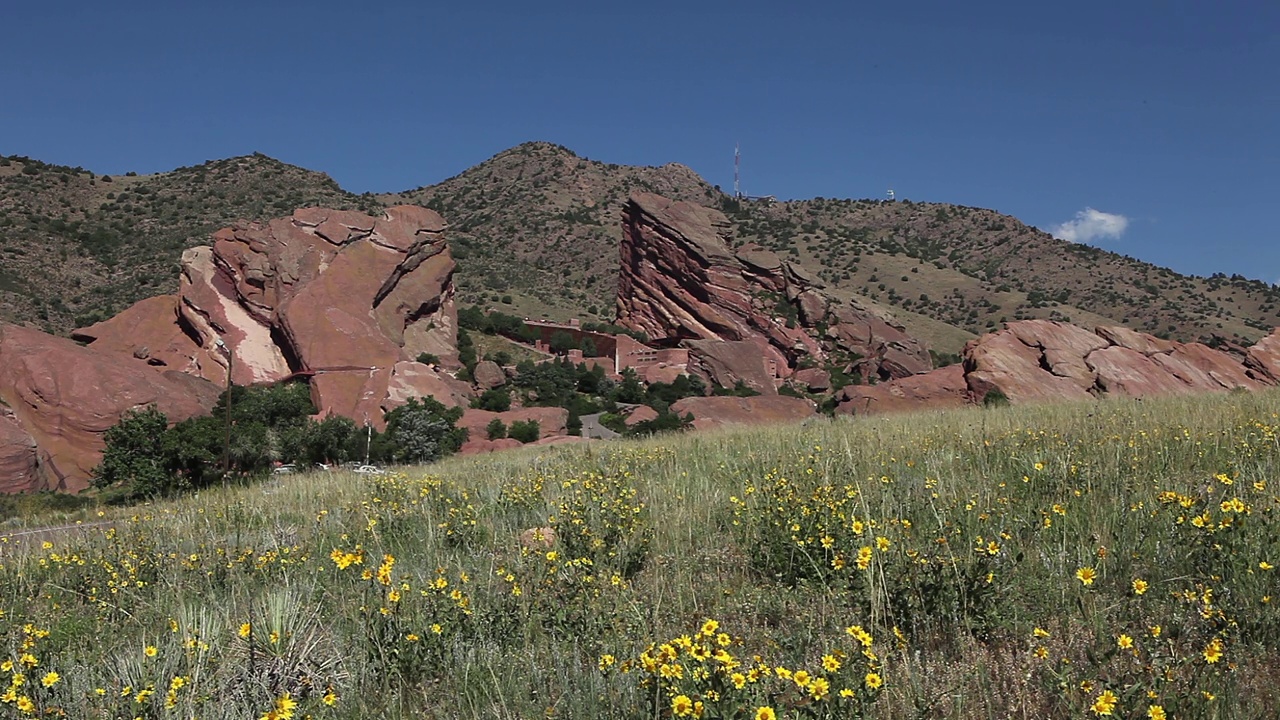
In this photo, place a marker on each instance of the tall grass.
(1109, 559)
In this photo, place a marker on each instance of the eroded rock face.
(1036, 360)
(17, 455)
(334, 294)
(712, 412)
(63, 397)
(680, 281)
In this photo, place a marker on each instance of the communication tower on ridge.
(737, 186)
(737, 156)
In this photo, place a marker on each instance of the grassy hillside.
(1068, 561)
(535, 232)
(538, 225)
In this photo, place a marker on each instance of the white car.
(369, 470)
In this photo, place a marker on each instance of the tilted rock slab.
(63, 397)
(680, 281)
(345, 298)
(1033, 360)
(719, 411)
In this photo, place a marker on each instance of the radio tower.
(737, 154)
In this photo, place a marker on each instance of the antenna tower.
(737, 154)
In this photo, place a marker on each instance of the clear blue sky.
(1164, 117)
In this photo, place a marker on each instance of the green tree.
(494, 400)
(496, 429)
(421, 430)
(133, 458)
(526, 431)
(562, 342)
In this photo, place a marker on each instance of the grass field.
(1095, 560)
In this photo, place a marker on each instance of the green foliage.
(496, 429)
(134, 454)
(494, 400)
(995, 398)
(428, 358)
(562, 342)
(421, 430)
(526, 431)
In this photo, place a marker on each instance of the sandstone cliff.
(681, 281)
(348, 299)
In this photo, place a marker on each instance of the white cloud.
(1090, 225)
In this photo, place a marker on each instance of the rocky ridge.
(1043, 361)
(739, 309)
(345, 298)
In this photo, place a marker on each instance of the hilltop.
(535, 229)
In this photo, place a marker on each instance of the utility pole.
(226, 447)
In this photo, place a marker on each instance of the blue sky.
(1154, 127)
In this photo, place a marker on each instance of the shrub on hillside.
(526, 431)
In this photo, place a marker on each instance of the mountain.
(536, 229)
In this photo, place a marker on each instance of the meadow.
(1111, 560)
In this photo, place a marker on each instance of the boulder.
(681, 282)
(814, 379)
(64, 396)
(335, 294)
(940, 389)
(482, 445)
(489, 375)
(718, 411)
(639, 414)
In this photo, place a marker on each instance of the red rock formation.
(65, 396)
(718, 411)
(1034, 360)
(1264, 356)
(680, 281)
(344, 297)
(18, 455)
(936, 390)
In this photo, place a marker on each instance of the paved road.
(591, 428)
(15, 540)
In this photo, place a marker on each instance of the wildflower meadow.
(1113, 559)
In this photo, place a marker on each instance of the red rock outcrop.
(64, 397)
(681, 281)
(18, 455)
(1033, 360)
(1264, 356)
(940, 389)
(346, 298)
(718, 411)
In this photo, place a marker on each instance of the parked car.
(285, 470)
(369, 470)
